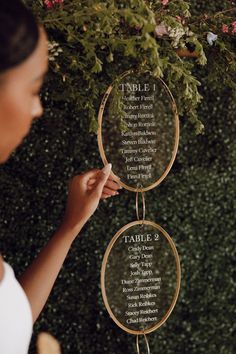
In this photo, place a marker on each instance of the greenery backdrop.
(195, 204)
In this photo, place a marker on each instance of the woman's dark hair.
(19, 33)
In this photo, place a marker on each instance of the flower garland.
(92, 37)
(50, 3)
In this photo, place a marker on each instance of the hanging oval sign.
(140, 277)
(138, 130)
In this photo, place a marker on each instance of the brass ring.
(143, 205)
(147, 344)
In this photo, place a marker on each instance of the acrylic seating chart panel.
(140, 277)
(138, 130)
(139, 134)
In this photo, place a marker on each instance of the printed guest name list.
(141, 285)
(139, 142)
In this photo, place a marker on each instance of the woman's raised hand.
(85, 192)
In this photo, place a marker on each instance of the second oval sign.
(140, 277)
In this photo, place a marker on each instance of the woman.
(23, 64)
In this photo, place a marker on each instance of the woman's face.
(19, 97)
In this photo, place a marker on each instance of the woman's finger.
(115, 179)
(109, 191)
(87, 176)
(92, 180)
(112, 185)
(105, 196)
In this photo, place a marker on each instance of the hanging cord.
(146, 341)
(143, 206)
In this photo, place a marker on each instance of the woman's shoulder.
(1, 268)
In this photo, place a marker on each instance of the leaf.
(93, 127)
(97, 68)
(110, 57)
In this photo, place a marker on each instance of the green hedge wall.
(195, 204)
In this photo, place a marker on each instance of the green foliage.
(195, 204)
(100, 40)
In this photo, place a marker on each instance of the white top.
(16, 321)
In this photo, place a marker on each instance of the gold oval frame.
(100, 142)
(103, 271)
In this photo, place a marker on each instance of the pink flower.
(164, 2)
(48, 4)
(180, 19)
(225, 28)
(234, 27)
